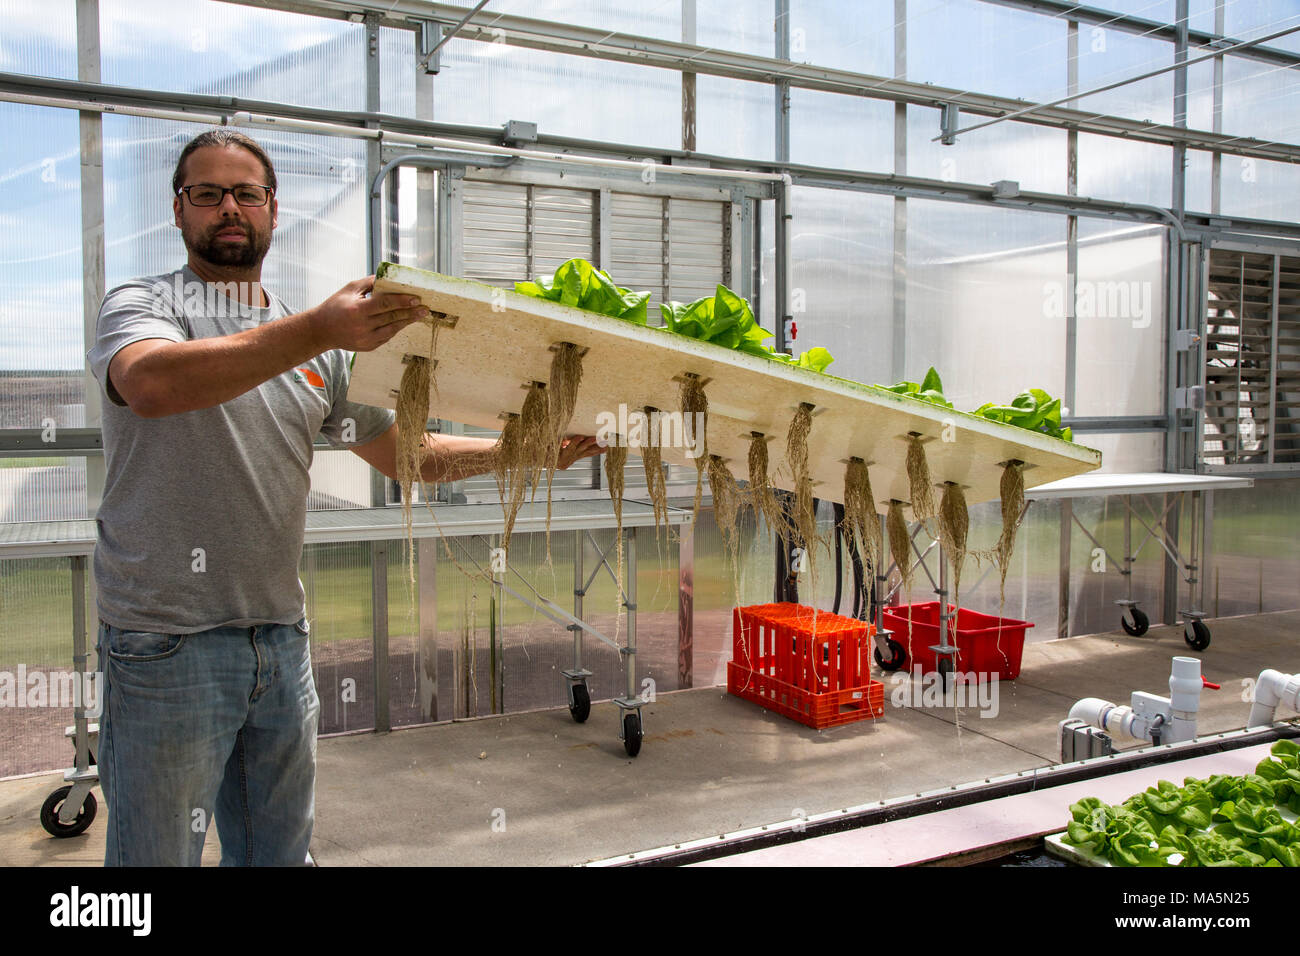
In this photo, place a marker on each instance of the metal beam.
(68, 93)
(17, 86)
(666, 54)
(1025, 112)
(1155, 29)
(91, 151)
(402, 13)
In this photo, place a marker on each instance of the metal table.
(1163, 529)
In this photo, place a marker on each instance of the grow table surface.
(494, 343)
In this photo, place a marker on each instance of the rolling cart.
(1162, 529)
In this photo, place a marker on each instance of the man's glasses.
(206, 194)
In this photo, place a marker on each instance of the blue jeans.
(220, 721)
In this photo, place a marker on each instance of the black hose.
(839, 553)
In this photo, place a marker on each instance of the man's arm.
(156, 377)
(453, 457)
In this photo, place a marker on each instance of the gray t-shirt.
(203, 515)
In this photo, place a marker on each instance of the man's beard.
(241, 255)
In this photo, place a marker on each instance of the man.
(215, 394)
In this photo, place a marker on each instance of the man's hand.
(355, 319)
(576, 447)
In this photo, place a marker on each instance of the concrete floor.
(539, 789)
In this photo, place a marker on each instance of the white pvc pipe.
(90, 106)
(1273, 688)
(1113, 718)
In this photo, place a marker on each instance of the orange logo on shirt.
(310, 377)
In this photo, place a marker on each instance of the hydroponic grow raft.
(493, 343)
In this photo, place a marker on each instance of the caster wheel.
(1140, 623)
(632, 734)
(579, 702)
(50, 814)
(945, 672)
(1198, 637)
(897, 656)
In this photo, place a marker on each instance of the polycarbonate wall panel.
(659, 18)
(1033, 581)
(1256, 551)
(1261, 100)
(1126, 453)
(43, 489)
(1200, 91)
(337, 582)
(1258, 189)
(1161, 11)
(510, 659)
(339, 480)
(841, 132)
(203, 46)
(44, 44)
(318, 246)
(720, 585)
(982, 47)
(486, 84)
(976, 304)
(1199, 182)
(1246, 19)
(847, 36)
(1095, 580)
(1200, 14)
(36, 595)
(1108, 55)
(397, 72)
(735, 118)
(1119, 319)
(842, 274)
(42, 350)
(740, 25)
(1033, 156)
(1112, 168)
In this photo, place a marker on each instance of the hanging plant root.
(695, 403)
(652, 462)
(918, 476)
(561, 398)
(900, 545)
(761, 496)
(954, 526)
(804, 518)
(1012, 488)
(861, 523)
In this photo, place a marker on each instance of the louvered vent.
(676, 248)
(1252, 360)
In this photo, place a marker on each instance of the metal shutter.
(1252, 359)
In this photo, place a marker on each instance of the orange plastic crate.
(830, 709)
(811, 666)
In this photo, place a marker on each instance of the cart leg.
(579, 693)
(631, 726)
(945, 653)
(1132, 620)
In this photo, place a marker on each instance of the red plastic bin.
(986, 644)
